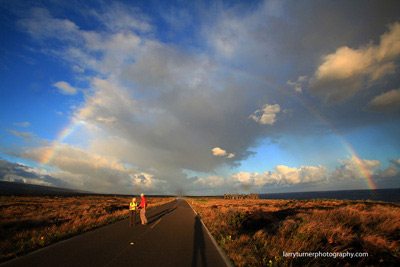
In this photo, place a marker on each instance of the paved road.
(174, 236)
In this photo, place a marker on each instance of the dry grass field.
(29, 223)
(258, 232)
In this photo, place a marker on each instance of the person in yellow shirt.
(132, 212)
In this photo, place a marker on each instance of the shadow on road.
(159, 215)
(199, 245)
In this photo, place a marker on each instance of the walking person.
(143, 205)
(132, 212)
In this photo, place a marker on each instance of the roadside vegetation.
(29, 223)
(258, 232)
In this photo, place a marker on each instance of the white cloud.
(343, 73)
(297, 85)
(354, 168)
(350, 169)
(144, 182)
(305, 174)
(65, 88)
(209, 182)
(266, 115)
(218, 152)
(231, 155)
(25, 135)
(18, 172)
(81, 168)
(238, 32)
(120, 17)
(106, 120)
(245, 181)
(388, 101)
(392, 171)
(77, 69)
(22, 124)
(42, 25)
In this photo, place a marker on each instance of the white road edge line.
(220, 250)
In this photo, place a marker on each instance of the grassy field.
(259, 232)
(29, 223)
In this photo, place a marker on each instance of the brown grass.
(257, 232)
(29, 223)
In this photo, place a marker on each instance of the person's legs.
(130, 217)
(143, 216)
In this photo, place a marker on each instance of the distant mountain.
(12, 188)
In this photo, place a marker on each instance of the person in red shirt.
(143, 205)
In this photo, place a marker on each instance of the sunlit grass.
(29, 223)
(257, 232)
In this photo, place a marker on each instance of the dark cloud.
(22, 173)
(386, 102)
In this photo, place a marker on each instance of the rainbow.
(50, 152)
(75, 122)
(367, 178)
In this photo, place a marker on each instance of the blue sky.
(201, 97)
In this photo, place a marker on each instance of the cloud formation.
(280, 176)
(266, 115)
(392, 171)
(81, 169)
(297, 85)
(218, 152)
(343, 73)
(349, 170)
(18, 172)
(65, 88)
(106, 175)
(22, 124)
(28, 136)
(388, 101)
(355, 168)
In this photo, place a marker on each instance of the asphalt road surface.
(174, 236)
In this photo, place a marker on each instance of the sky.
(200, 97)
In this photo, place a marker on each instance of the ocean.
(388, 195)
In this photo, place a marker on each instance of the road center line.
(161, 218)
(155, 223)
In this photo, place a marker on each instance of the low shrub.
(258, 232)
